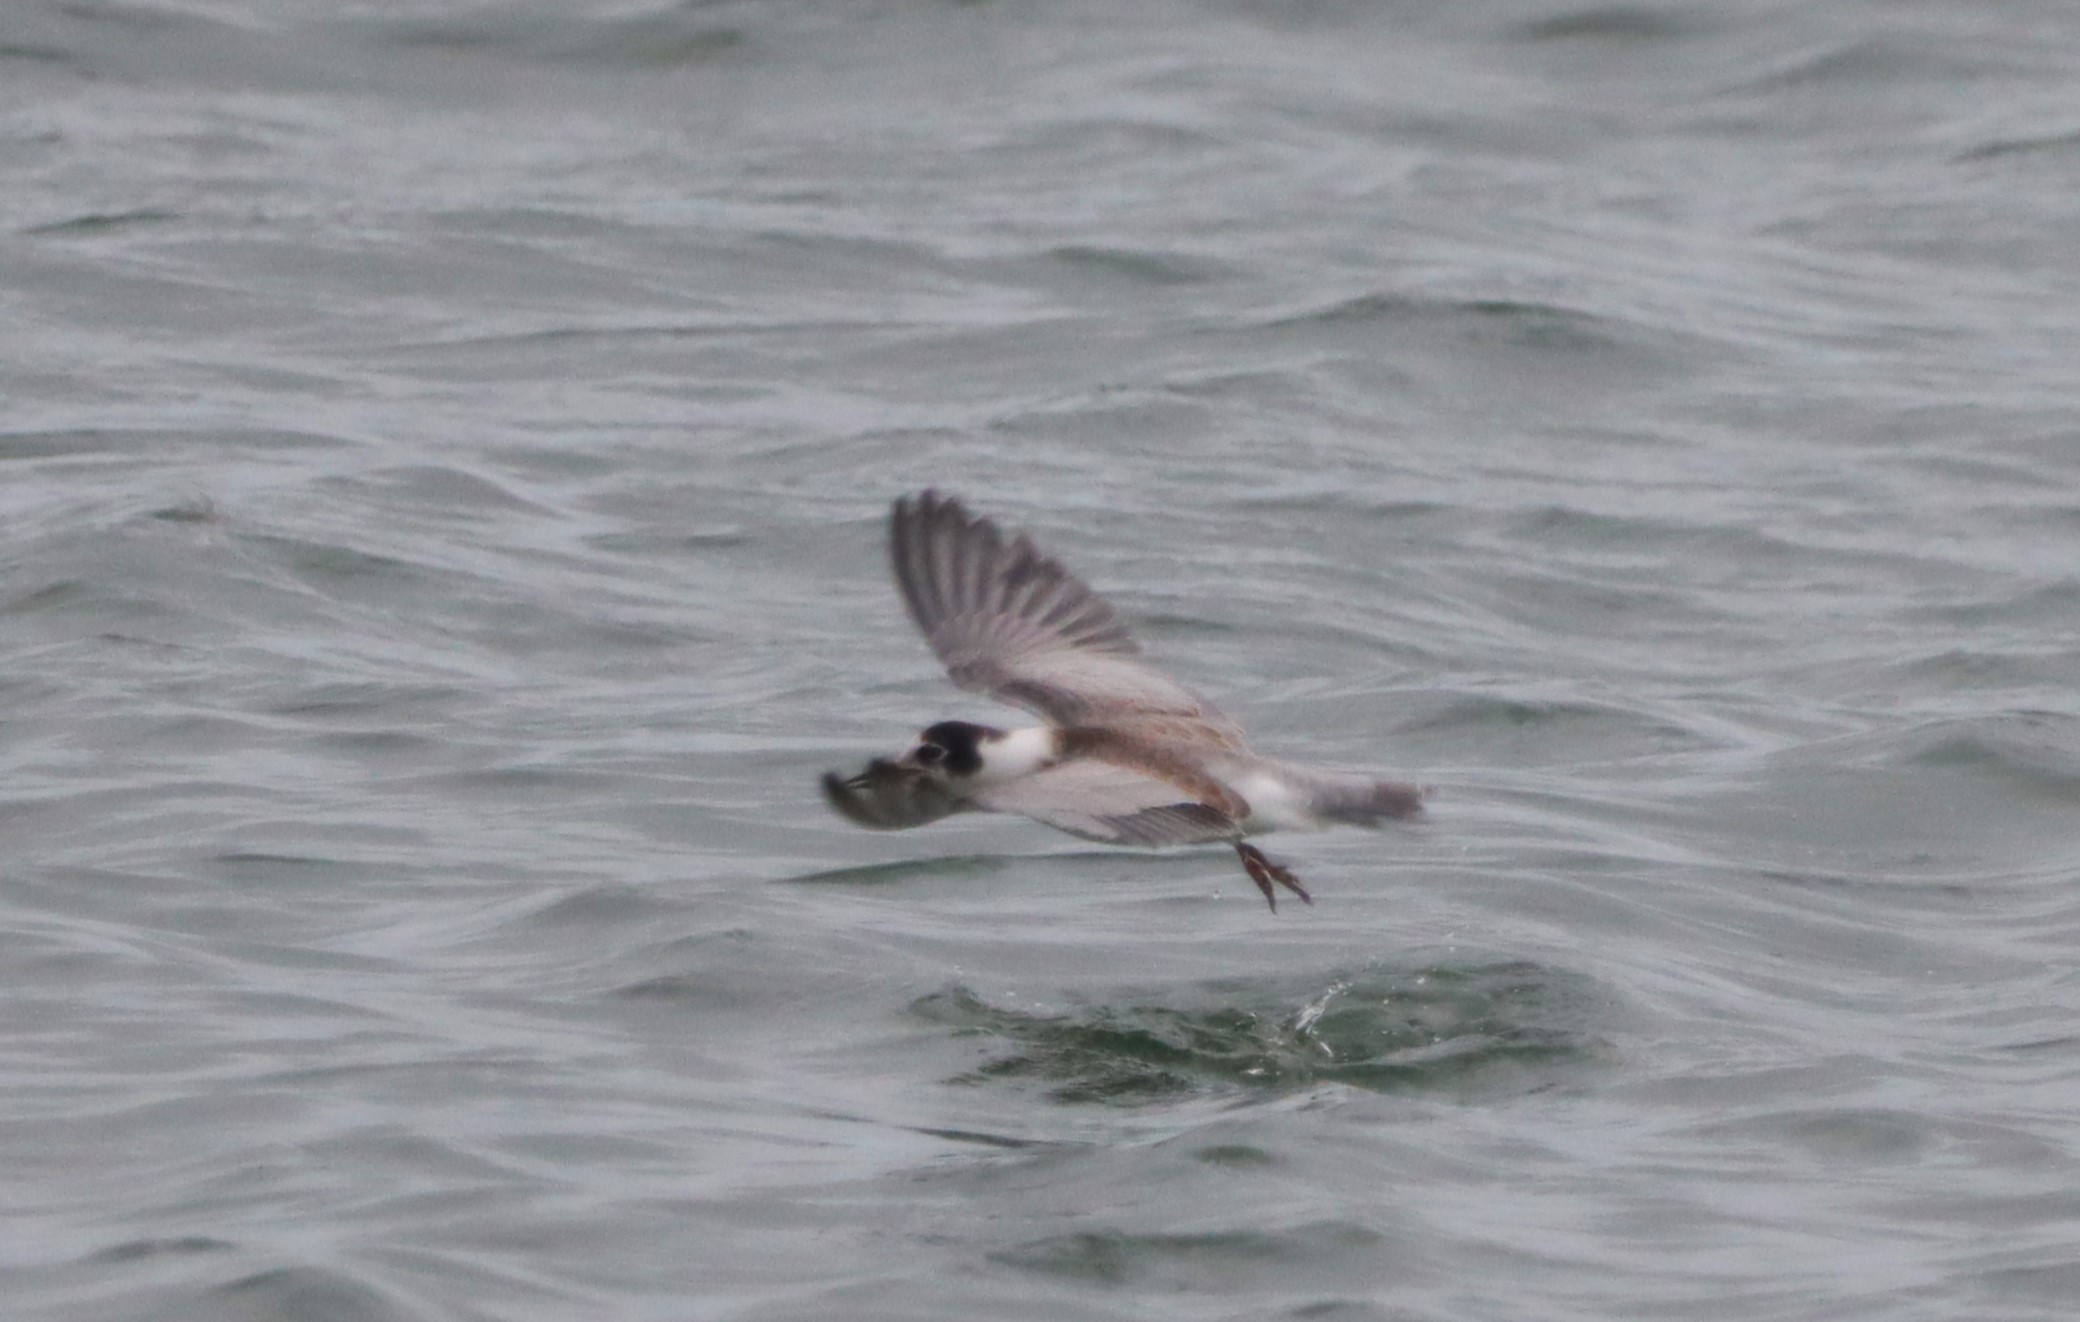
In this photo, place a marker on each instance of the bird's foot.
(1263, 872)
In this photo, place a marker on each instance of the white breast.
(1017, 753)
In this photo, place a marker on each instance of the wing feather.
(1116, 804)
(1011, 622)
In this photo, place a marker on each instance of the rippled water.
(440, 506)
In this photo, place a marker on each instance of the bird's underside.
(1127, 755)
(1089, 798)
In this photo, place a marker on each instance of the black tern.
(1127, 755)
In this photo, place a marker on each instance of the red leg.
(1263, 872)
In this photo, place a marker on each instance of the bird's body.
(1126, 756)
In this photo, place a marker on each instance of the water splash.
(1385, 1029)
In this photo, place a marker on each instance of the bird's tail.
(1360, 800)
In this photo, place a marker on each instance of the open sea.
(444, 454)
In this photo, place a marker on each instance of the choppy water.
(440, 494)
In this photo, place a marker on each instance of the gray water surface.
(441, 493)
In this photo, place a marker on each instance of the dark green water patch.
(1506, 1027)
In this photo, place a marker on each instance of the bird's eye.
(930, 754)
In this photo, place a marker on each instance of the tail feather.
(1362, 800)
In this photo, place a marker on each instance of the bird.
(1123, 754)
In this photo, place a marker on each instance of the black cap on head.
(959, 742)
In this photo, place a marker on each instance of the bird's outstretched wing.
(886, 797)
(1009, 621)
(1116, 804)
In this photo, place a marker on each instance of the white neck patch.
(1017, 753)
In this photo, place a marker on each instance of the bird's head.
(950, 750)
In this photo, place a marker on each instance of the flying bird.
(1126, 755)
